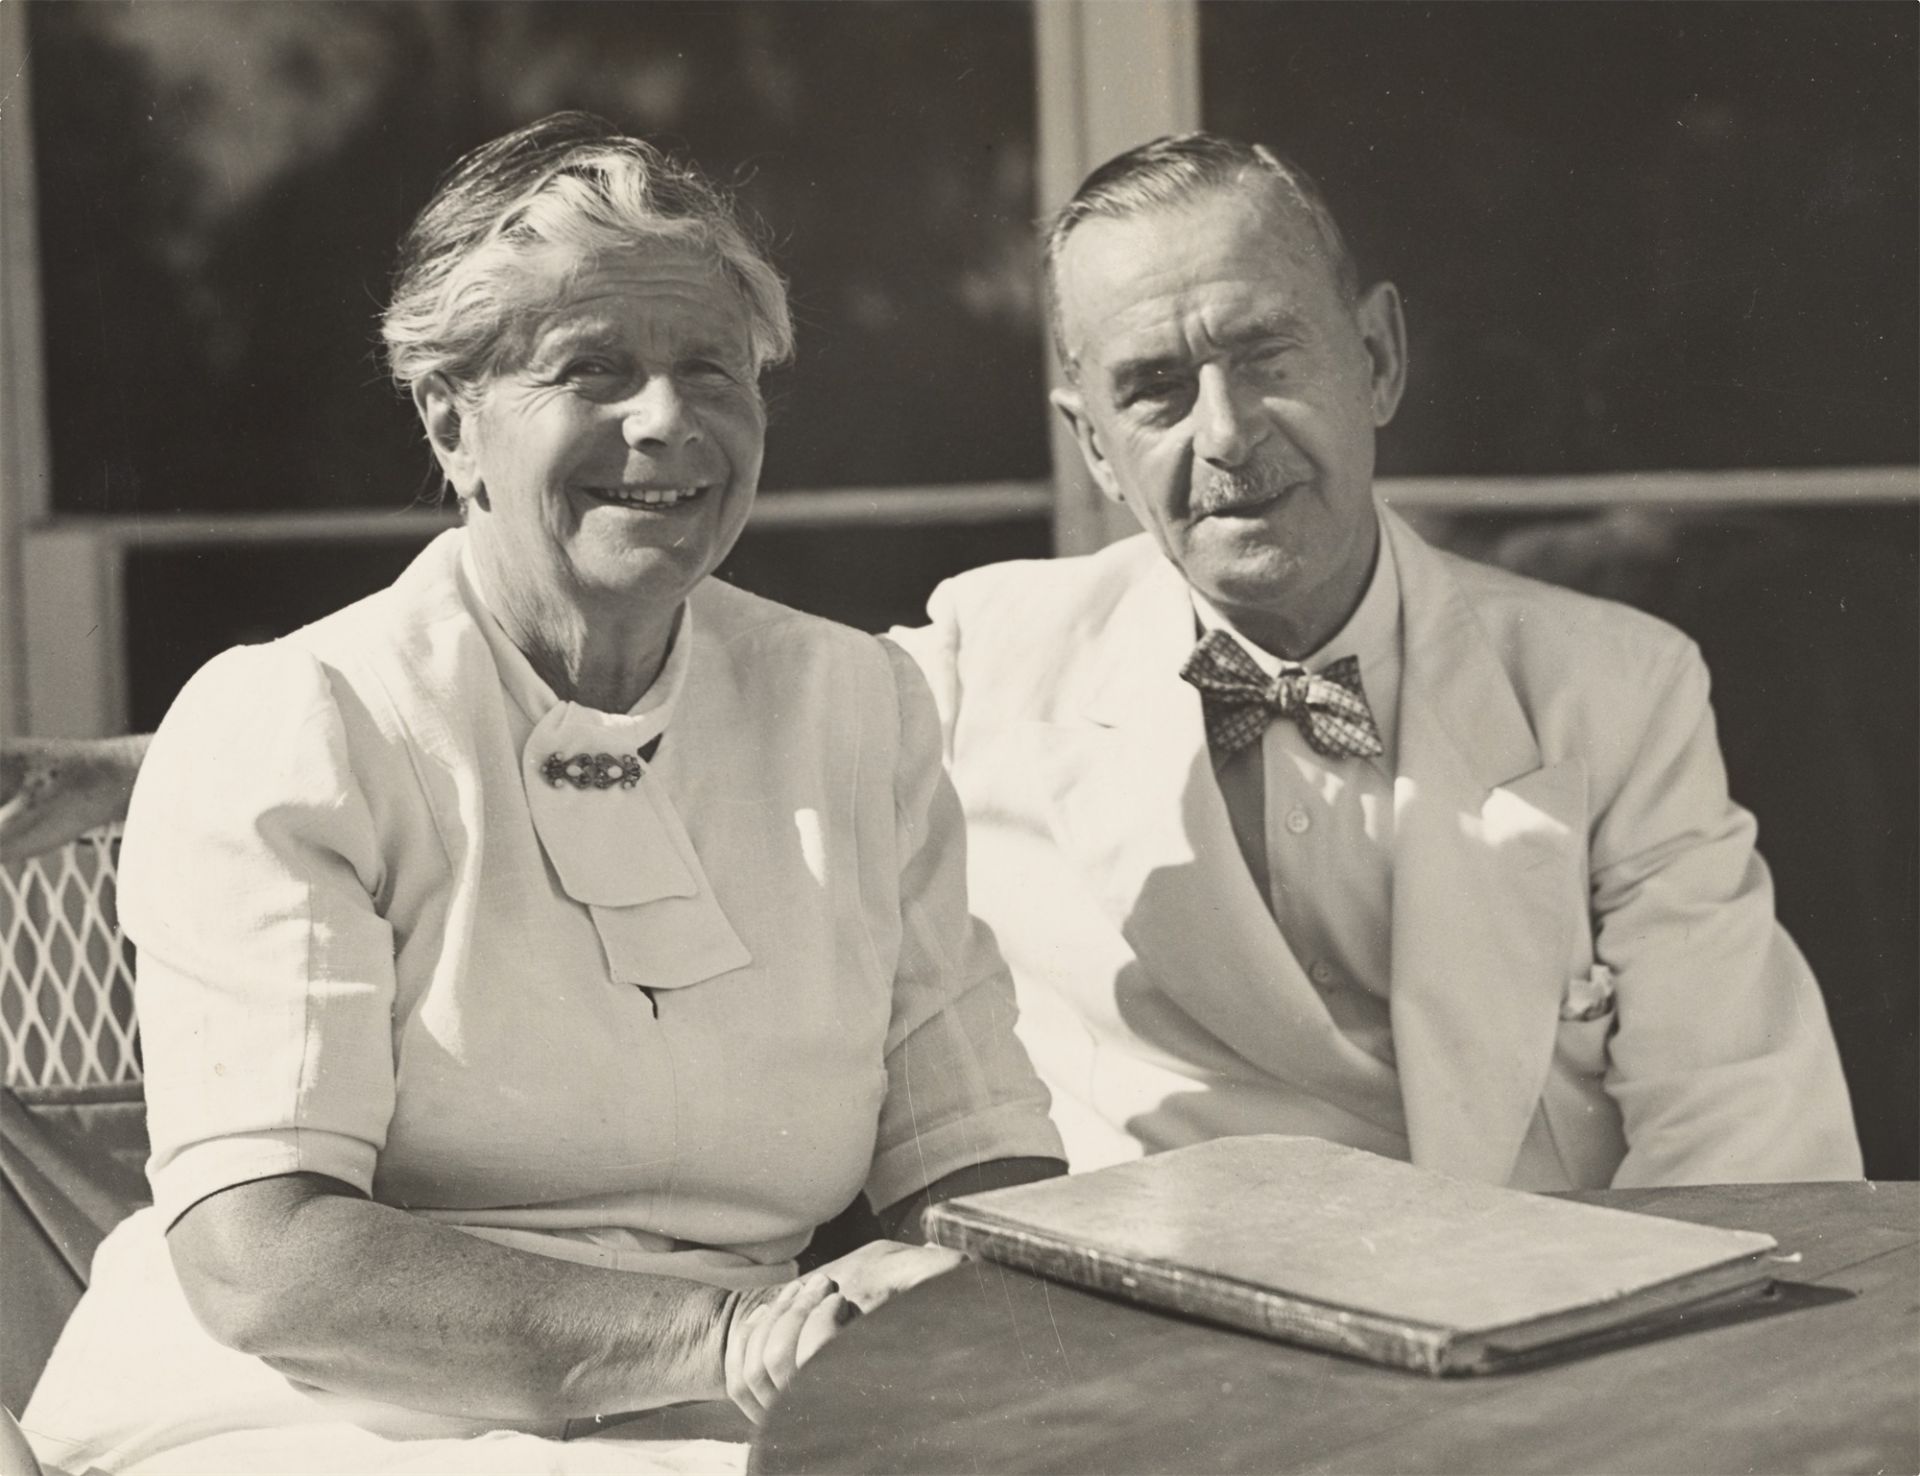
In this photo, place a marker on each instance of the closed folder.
(1310, 1242)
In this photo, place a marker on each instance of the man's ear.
(1383, 329)
(1073, 409)
(447, 433)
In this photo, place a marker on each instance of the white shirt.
(1317, 832)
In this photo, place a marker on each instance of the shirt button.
(1322, 973)
(1298, 821)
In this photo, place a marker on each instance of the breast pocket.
(1588, 1015)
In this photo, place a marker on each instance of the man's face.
(1229, 396)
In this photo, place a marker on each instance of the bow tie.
(1239, 700)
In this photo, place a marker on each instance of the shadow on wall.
(1808, 622)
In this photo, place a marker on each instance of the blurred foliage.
(222, 185)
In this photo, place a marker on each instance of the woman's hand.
(774, 1332)
(870, 1275)
(53, 789)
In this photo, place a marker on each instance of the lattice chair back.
(66, 970)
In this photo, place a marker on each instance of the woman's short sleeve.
(265, 973)
(960, 1089)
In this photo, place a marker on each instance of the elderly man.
(1290, 823)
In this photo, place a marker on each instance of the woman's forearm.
(902, 1221)
(361, 1298)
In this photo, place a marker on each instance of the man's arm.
(935, 649)
(1723, 1063)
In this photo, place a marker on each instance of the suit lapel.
(1488, 884)
(1133, 800)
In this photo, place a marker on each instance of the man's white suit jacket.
(1560, 802)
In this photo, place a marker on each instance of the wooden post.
(1112, 74)
(24, 469)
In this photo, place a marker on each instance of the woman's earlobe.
(439, 410)
(443, 419)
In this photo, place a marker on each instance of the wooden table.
(990, 1370)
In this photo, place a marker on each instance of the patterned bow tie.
(1239, 700)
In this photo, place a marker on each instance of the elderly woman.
(533, 954)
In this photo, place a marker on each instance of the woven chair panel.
(66, 970)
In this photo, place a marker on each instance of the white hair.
(568, 184)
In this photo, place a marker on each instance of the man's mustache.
(1215, 489)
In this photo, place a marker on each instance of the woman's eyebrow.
(571, 337)
(713, 348)
(575, 335)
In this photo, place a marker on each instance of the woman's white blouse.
(671, 1025)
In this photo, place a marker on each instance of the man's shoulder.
(1556, 633)
(1593, 676)
(1049, 595)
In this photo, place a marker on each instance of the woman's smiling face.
(615, 454)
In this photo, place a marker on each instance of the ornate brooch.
(593, 770)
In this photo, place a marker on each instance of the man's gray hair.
(1173, 170)
(572, 183)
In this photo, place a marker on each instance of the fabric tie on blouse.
(622, 851)
(618, 848)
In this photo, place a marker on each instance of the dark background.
(1645, 236)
